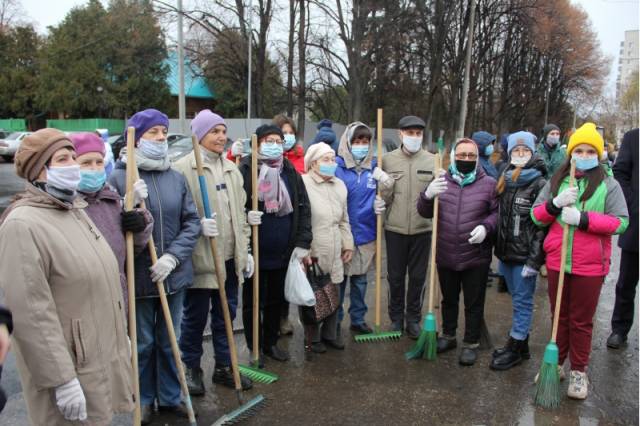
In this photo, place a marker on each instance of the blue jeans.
(196, 312)
(156, 367)
(521, 290)
(357, 307)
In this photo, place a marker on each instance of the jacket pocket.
(79, 348)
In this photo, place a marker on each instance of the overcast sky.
(609, 18)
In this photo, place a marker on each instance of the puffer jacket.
(518, 239)
(176, 227)
(462, 209)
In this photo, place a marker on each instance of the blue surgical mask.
(91, 180)
(360, 151)
(488, 150)
(585, 163)
(152, 149)
(289, 141)
(272, 151)
(328, 169)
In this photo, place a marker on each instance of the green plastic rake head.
(378, 336)
(241, 413)
(258, 375)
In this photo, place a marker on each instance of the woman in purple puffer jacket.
(467, 218)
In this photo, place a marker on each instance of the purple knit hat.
(144, 120)
(204, 121)
(87, 142)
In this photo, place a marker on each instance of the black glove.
(133, 221)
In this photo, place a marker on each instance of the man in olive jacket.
(407, 234)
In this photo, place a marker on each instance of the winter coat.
(553, 157)
(104, 209)
(461, 209)
(296, 157)
(411, 174)
(203, 264)
(589, 247)
(61, 281)
(176, 227)
(518, 239)
(299, 222)
(625, 170)
(329, 223)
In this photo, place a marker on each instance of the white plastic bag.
(297, 289)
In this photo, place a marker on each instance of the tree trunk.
(292, 26)
(302, 71)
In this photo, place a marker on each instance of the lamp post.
(100, 91)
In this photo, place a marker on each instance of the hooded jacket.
(483, 140)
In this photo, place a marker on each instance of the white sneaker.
(560, 373)
(578, 385)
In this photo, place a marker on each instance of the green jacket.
(553, 158)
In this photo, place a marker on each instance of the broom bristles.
(418, 349)
(548, 384)
(431, 346)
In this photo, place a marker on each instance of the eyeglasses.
(466, 155)
(276, 141)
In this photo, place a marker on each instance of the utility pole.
(467, 73)
(182, 107)
(249, 10)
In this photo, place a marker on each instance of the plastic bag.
(297, 289)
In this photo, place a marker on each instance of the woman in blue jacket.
(175, 233)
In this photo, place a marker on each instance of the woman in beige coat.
(61, 281)
(332, 241)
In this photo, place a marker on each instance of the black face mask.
(465, 166)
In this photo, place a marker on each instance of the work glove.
(71, 402)
(566, 197)
(379, 174)
(250, 268)
(254, 217)
(237, 148)
(133, 221)
(379, 205)
(436, 187)
(528, 272)
(478, 235)
(163, 267)
(140, 191)
(571, 216)
(300, 253)
(209, 227)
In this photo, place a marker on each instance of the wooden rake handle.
(256, 251)
(434, 237)
(379, 231)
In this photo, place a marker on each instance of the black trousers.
(407, 253)
(623, 312)
(473, 282)
(271, 301)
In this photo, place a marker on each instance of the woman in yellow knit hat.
(594, 209)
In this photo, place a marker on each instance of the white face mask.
(412, 143)
(520, 161)
(65, 177)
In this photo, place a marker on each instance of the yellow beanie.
(588, 134)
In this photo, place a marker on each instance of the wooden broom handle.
(379, 229)
(434, 237)
(256, 250)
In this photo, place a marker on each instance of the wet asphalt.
(372, 383)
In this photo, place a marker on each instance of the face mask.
(585, 163)
(465, 166)
(91, 180)
(553, 140)
(359, 151)
(65, 178)
(412, 143)
(271, 151)
(153, 150)
(520, 161)
(328, 169)
(289, 142)
(488, 150)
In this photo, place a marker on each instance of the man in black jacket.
(6, 327)
(625, 170)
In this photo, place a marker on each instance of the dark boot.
(524, 348)
(446, 343)
(194, 381)
(276, 353)
(468, 355)
(502, 285)
(222, 375)
(616, 340)
(145, 414)
(509, 357)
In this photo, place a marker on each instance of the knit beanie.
(325, 122)
(314, 152)
(588, 134)
(144, 120)
(204, 121)
(87, 142)
(268, 129)
(521, 138)
(37, 149)
(483, 139)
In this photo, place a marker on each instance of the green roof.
(195, 86)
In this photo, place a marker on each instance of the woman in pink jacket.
(594, 209)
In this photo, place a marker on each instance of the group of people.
(62, 245)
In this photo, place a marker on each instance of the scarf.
(271, 188)
(526, 177)
(146, 163)
(461, 179)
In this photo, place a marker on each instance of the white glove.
(237, 148)
(566, 197)
(571, 216)
(478, 235)
(379, 174)
(528, 272)
(249, 269)
(71, 402)
(300, 253)
(140, 191)
(209, 227)
(379, 205)
(254, 217)
(163, 267)
(436, 187)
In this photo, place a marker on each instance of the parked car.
(179, 148)
(118, 142)
(10, 144)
